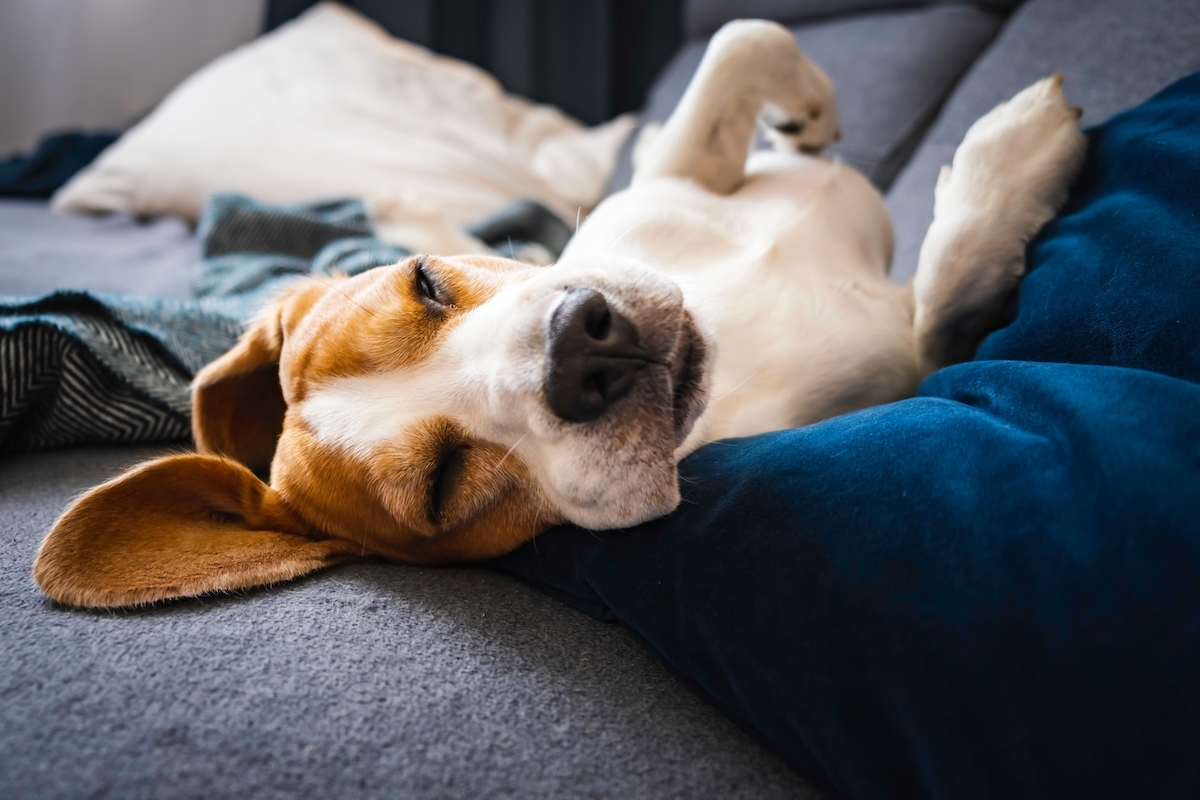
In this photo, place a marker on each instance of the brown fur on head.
(400, 414)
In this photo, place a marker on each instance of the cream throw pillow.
(330, 106)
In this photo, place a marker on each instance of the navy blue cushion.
(1115, 280)
(55, 161)
(992, 589)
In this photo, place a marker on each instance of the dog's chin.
(634, 512)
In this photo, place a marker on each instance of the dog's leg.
(751, 67)
(1009, 177)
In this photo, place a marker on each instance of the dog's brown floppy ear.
(237, 402)
(178, 526)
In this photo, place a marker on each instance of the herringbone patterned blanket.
(79, 368)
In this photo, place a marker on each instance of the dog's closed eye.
(427, 287)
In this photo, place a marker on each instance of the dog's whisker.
(630, 214)
(339, 291)
(612, 245)
(740, 384)
(510, 452)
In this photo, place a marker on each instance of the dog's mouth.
(688, 364)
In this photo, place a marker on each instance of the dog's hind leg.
(1009, 177)
(751, 68)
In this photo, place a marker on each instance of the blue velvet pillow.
(1115, 280)
(990, 590)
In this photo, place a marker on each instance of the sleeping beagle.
(446, 410)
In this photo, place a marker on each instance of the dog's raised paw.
(1009, 177)
(1020, 158)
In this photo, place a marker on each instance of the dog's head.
(442, 410)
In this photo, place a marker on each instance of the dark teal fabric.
(54, 162)
(993, 589)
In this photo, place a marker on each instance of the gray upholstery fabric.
(368, 680)
(41, 251)
(891, 71)
(1112, 53)
(703, 17)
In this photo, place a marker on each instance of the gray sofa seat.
(891, 69)
(1113, 54)
(368, 680)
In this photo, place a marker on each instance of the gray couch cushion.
(1112, 53)
(368, 680)
(891, 71)
(703, 17)
(41, 251)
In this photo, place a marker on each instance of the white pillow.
(330, 106)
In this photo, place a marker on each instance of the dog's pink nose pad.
(592, 356)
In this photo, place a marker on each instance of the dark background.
(592, 58)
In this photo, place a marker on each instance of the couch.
(377, 680)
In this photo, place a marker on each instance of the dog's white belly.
(789, 272)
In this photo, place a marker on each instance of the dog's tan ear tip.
(57, 571)
(176, 527)
(66, 579)
(63, 590)
(44, 576)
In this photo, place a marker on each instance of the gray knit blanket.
(81, 368)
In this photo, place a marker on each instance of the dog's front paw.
(1009, 177)
(1017, 162)
(807, 130)
(802, 115)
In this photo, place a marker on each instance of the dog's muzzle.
(593, 356)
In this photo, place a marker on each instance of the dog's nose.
(592, 356)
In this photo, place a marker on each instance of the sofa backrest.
(702, 17)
